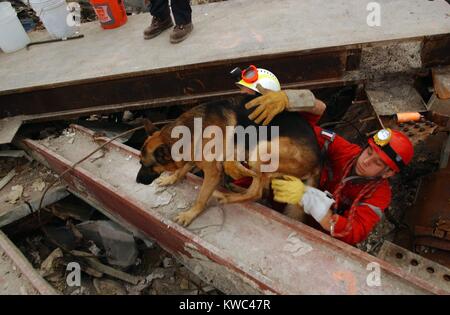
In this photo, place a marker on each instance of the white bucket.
(53, 14)
(12, 34)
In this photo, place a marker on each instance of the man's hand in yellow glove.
(290, 189)
(268, 105)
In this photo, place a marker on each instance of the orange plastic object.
(404, 117)
(111, 13)
(250, 74)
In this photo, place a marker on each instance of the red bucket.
(111, 13)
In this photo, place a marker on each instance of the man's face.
(370, 164)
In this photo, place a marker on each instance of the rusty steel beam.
(351, 78)
(414, 263)
(190, 84)
(176, 83)
(239, 248)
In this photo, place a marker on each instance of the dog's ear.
(150, 128)
(162, 154)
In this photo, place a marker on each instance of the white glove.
(316, 203)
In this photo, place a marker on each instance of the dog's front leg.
(176, 176)
(212, 174)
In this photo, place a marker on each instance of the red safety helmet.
(393, 147)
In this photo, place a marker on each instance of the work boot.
(180, 32)
(157, 27)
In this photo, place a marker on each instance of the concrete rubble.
(117, 243)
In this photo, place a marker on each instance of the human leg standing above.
(161, 20)
(182, 13)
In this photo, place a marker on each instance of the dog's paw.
(220, 196)
(223, 198)
(185, 218)
(166, 180)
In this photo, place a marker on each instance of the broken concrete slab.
(9, 127)
(28, 201)
(118, 243)
(394, 96)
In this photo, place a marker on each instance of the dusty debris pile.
(110, 259)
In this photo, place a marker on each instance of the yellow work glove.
(268, 105)
(290, 189)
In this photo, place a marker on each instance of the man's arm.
(318, 204)
(325, 223)
(362, 224)
(271, 103)
(367, 214)
(304, 101)
(363, 221)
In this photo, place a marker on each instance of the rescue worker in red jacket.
(354, 190)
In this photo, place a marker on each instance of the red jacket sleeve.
(366, 216)
(312, 119)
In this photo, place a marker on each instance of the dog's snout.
(146, 176)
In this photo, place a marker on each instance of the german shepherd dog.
(299, 154)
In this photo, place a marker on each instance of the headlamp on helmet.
(382, 137)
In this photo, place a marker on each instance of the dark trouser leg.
(181, 10)
(159, 8)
